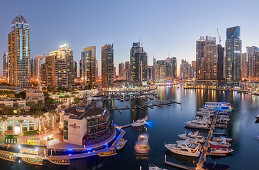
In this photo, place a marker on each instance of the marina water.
(166, 122)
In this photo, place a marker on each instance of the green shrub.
(30, 133)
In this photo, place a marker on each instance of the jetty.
(203, 155)
(178, 165)
(158, 104)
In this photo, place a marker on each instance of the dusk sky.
(166, 27)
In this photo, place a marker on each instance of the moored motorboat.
(221, 139)
(220, 144)
(184, 148)
(197, 124)
(257, 117)
(142, 146)
(140, 122)
(58, 161)
(190, 135)
(121, 144)
(189, 140)
(33, 161)
(7, 156)
(219, 151)
(110, 152)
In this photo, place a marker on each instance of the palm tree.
(3, 120)
(38, 114)
(20, 121)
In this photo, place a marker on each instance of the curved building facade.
(19, 52)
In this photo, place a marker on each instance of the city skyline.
(169, 41)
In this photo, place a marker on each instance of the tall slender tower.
(88, 65)
(200, 58)
(138, 64)
(233, 55)
(5, 65)
(19, 66)
(107, 65)
(40, 59)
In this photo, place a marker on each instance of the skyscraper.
(40, 59)
(194, 68)
(233, 55)
(126, 71)
(253, 63)
(107, 65)
(163, 69)
(88, 65)
(19, 68)
(220, 68)
(121, 70)
(5, 65)
(200, 59)
(244, 67)
(211, 58)
(185, 70)
(64, 64)
(174, 67)
(138, 64)
(206, 58)
(48, 72)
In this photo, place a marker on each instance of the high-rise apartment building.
(206, 58)
(107, 65)
(59, 68)
(211, 58)
(19, 67)
(200, 59)
(121, 70)
(185, 70)
(193, 69)
(233, 49)
(138, 64)
(220, 67)
(88, 65)
(150, 73)
(48, 72)
(40, 59)
(244, 67)
(126, 72)
(65, 71)
(173, 62)
(253, 63)
(5, 65)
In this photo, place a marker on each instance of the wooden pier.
(178, 165)
(160, 104)
(203, 155)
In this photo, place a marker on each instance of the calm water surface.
(165, 123)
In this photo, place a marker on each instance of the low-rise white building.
(87, 126)
(10, 102)
(34, 95)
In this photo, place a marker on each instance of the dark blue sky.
(167, 27)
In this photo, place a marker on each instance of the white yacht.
(140, 122)
(221, 139)
(189, 140)
(142, 146)
(204, 113)
(197, 124)
(257, 117)
(193, 135)
(184, 148)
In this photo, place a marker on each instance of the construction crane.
(219, 37)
